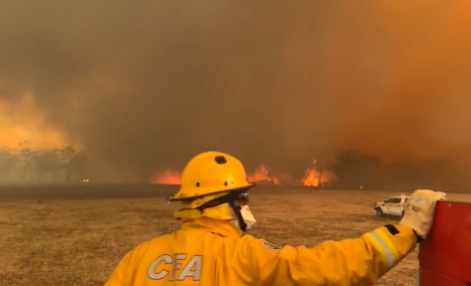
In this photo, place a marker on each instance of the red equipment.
(445, 257)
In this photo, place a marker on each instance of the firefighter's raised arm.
(359, 261)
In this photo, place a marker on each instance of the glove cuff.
(413, 224)
(418, 237)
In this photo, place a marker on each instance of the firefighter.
(210, 248)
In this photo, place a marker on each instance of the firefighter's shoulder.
(262, 244)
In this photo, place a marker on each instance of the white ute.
(391, 206)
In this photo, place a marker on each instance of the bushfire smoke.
(145, 85)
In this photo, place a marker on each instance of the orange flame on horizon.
(173, 177)
(168, 177)
(312, 178)
(315, 177)
(261, 174)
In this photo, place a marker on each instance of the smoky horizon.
(142, 87)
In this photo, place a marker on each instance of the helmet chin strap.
(232, 200)
(235, 206)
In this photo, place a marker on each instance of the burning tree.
(312, 176)
(262, 175)
(318, 174)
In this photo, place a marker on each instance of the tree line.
(352, 169)
(64, 164)
(355, 169)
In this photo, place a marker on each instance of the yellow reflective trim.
(384, 234)
(384, 245)
(378, 247)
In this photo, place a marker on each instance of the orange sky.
(22, 122)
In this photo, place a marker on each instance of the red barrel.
(445, 257)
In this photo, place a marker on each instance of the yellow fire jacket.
(210, 252)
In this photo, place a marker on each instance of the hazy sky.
(148, 84)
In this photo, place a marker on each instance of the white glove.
(420, 210)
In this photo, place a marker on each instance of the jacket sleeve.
(358, 262)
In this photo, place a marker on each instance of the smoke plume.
(145, 85)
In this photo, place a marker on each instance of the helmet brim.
(239, 189)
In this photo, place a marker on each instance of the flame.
(261, 174)
(315, 176)
(23, 123)
(312, 178)
(168, 177)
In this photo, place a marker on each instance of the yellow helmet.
(211, 173)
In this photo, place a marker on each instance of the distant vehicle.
(391, 206)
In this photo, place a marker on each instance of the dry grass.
(78, 241)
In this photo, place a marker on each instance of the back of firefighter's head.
(215, 185)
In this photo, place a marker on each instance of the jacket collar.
(221, 227)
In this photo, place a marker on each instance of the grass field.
(76, 236)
